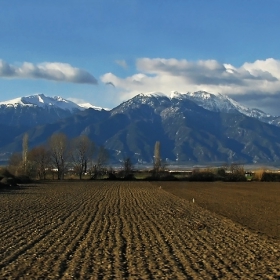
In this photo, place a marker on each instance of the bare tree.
(101, 160)
(15, 164)
(237, 173)
(24, 152)
(127, 167)
(59, 153)
(82, 153)
(236, 168)
(157, 160)
(40, 159)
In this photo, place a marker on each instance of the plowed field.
(124, 230)
(255, 205)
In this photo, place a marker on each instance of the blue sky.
(107, 51)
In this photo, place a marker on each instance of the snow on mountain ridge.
(211, 101)
(222, 103)
(216, 102)
(88, 105)
(40, 100)
(154, 94)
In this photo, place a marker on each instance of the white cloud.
(269, 65)
(166, 75)
(76, 100)
(55, 71)
(122, 63)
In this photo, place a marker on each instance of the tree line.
(79, 155)
(59, 155)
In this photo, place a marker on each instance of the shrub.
(165, 177)
(270, 177)
(112, 176)
(203, 176)
(235, 177)
(9, 181)
(221, 172)
(168, 177)
(4, 172)
(23, 179)
(129, 177)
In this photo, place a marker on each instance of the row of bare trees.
(60, 154)
(80, 155)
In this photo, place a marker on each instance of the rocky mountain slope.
(222, 103)
(188, 132)
(38, 109)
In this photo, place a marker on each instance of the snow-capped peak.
(40, 100)
(175, 94)
(89, 105)
(154, 94)
(215, 102)
(218, 103)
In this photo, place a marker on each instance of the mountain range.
(197, 127)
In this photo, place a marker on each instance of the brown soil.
(255, 205)
(124, 230)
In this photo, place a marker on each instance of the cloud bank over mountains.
(55, 71)
(171, 74)
(259, 80)
(164, 75)
(255, 84)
